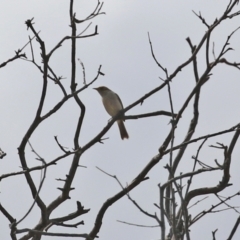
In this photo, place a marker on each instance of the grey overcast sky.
(123, 50)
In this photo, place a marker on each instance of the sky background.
(123, 50)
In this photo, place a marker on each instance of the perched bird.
(113, 105)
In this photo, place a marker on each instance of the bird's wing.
(119, 100)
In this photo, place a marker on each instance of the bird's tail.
(122, 129)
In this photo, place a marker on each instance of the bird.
(113, 104)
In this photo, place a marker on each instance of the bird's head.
(102, 90)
